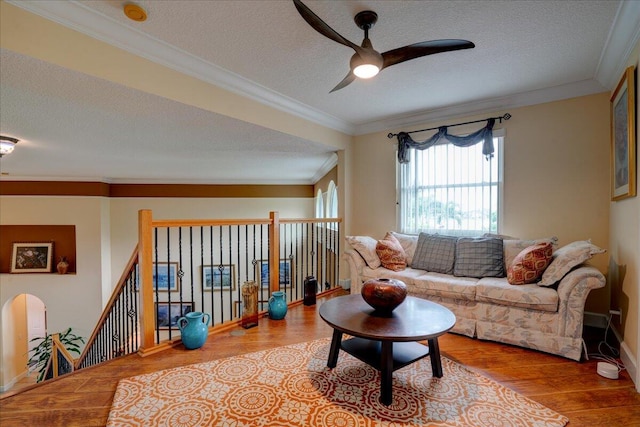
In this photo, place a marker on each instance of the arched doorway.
(24, 318)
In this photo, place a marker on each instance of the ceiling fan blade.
(320, 26)
(417, 50)
(345, 82)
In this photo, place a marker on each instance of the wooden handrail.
(207, 222)
(309, 220)
(133, 260)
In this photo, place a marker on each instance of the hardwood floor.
(571, 388)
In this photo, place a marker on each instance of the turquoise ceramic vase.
(277, 305)
(194, 329)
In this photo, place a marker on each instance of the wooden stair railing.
(131, 320)
(60, 362)
(117, 331)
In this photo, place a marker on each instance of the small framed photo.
(219, 277)
(623, 138)
(31, 257)
(165, 276)
(167, 314)
(286, 273)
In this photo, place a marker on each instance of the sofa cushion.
(391, 254)
(446, 286)
(498, 291)
(567, 257)
(407, 275)
(366, 247)
(435, 253)
(479, 257)
(409, 243)
(528, 266)
(512, 247)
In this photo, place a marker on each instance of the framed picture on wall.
(286, 273)
(623, 138)
(165, 276)
(218, 277)
(31, 257)
(167, 314)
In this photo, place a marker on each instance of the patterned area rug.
(291, 386)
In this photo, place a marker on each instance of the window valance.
(405, 141)
(485, 134)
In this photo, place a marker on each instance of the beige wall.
(624, 252)
(556, 176)
(53, 289)
(59, 293)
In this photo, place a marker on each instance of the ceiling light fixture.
(368, 62)
(366, 67)
(135, 12)
(7, 145)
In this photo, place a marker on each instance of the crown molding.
(78, 17)
(329, 164)
(523, 99)
(623, 36)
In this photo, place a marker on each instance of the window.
(319, 205)
(332, 201)
(451, 190)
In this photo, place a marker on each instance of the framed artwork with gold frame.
(623, 138)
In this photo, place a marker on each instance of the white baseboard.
(599, 320)
(629, 363)
(9, 386)
(345, 283)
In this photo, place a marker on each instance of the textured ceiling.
(85, 127)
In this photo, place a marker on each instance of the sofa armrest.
(356, 264)
(573, 290)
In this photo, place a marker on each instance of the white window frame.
(319, 204)
(332, 201)
(499, 146)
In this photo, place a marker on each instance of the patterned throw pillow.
(435, 253)
(391, 254)
(567, 257)
(479, 257)
(366, 247)
(528, 265)
(512, 247)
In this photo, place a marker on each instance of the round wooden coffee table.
(387, 343)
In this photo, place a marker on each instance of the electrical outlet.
(618, 313)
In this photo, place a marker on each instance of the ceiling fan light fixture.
(7, 145)
(366, 71)
(366, 67)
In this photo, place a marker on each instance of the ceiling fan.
(367, 62)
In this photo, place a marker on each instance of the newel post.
(145, 263)
(274, 251)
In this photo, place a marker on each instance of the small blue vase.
(277, 306)
(194, 329)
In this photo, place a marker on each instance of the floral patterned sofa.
(542, 311)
